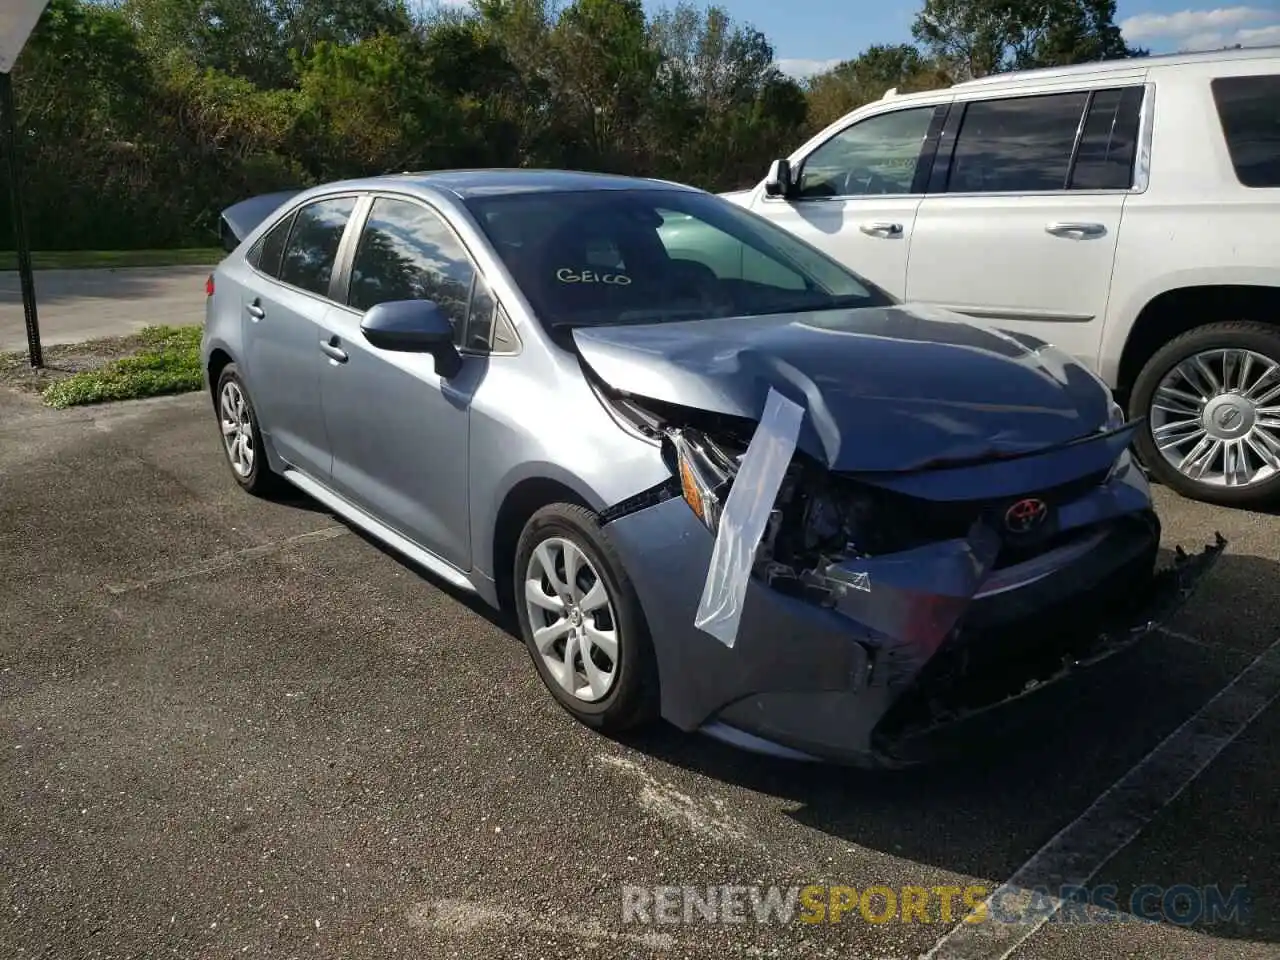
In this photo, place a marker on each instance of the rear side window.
(1109, 141)
(313, 244)
(1016, 145)
(1249, 108)
(268, 252)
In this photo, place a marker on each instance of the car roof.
(467, 184)
(1120, 65)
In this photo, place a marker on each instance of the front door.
(856, 195)
(399, 431)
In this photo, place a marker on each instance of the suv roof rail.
(1124, 63)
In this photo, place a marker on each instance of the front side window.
(406, 252)
(313, 243)
(879, 155)
(1249, 108)
(1016, 145)
(644, 256)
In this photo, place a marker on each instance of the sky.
(808, 42)
(829, 31)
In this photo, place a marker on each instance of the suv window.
(1247, 108)
(877, 156)
(268, 251)
(313, 244)
(1016, 145)
(407, 252)
(1109, 142)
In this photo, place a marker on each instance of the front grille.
(904, 522)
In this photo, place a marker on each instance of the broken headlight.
(706, 471)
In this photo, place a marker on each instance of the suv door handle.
(881, 228)
(334, 352)
(1075, 229)
(254, 310)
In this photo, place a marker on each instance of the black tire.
(1257, 337)
(259, 480)
(632, 699)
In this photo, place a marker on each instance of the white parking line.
(230, 559)
(1081, 849)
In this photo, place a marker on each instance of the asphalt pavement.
(76, 305)
(231, 727)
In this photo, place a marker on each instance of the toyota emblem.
(1025, 515)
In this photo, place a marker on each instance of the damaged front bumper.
(870, 658)
(808, 680)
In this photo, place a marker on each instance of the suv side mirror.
(778, 181)
(413, 326)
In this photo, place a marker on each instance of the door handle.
(254, 310)
(1075, 229)
(334, 352)
(881, 228)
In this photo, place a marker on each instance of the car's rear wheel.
(1212, 402)
(582, 622)
(241, 436)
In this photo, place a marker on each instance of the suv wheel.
(1212, 402)
(582, 622)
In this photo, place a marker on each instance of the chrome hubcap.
(1216, 418)
(237, 430)
(574, 629)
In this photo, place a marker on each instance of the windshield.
(604, 257)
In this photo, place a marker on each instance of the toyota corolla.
(714, 475)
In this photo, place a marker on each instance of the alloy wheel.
(237, 428)
(1215, 417)
(572, 619)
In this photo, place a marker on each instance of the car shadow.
(987, 808)
(984, 810)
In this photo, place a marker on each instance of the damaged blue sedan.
(715, 476)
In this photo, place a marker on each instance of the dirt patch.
(64, 360)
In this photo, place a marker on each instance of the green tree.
(980, 37)
(867, 77)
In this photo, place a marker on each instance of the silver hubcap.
(237, 431)
(574, 629)
(1216, 418)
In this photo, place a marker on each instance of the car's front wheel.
(1212, 402)
(241, 436)
(582, 622)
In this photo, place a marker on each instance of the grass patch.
(88, 259)
(156, 361)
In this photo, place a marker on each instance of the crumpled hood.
(884, 389)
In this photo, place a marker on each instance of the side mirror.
(778, 181)
(413, 326)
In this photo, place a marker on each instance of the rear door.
(283, 310)
(1023, 210)
(858, 191)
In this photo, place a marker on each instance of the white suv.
(1126, 211)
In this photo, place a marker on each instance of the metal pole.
(19, 221)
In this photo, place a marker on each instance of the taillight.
(208, 286)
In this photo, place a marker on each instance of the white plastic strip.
(746, 513)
